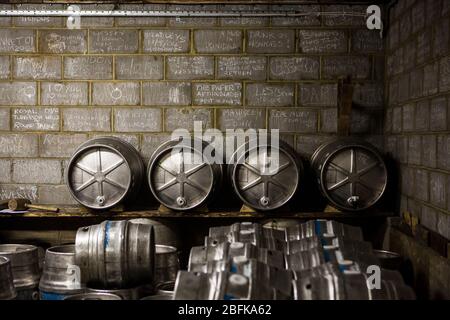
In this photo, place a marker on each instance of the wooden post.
(345, 101)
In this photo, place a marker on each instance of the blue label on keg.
(107, 227)
(52, 296)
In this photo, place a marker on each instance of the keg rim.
(79, 296)
(167, 249)
(352, 144)
(25, 248)
(53, 250)
(4, 260)
(77, 154)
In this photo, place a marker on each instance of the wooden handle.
(42, 208)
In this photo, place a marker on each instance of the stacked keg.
(315, 260)
(23, 261)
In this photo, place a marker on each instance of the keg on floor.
(167, 263)
(264, 176)
(351, 174)
(104, 172)
(116, 254)
(135, 293)
(181, 176)
(323, 227)
(225, 251)
(7, 290)
(349, 286)
(25, 269)
(61, 276)
(166, 232)
(94, 296)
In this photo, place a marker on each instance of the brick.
(270, 41)
(97, 21)
(241, 118)
(141, 21)
(366, 41)
(391, 145)
(55, 195)
(403, 92)
(441, 43)
(4, 119)
(405, 27)
(194, 21)
(39, 21)
(345, 20)
(35, 119)
(394, 36)
(409, 55)
(418, 16)
(397, 62)
(60, 145)
(37, 68)
(150, 142)
(429, 151)
(4, 67)
(388, 121)
(166, 41)
(429, 218)
(424, 46)
(17, 40)
(213, 94)
(166, 93)
(17, 93)
(443, 148)
(328, 120)
(443, 225)
(317, 95)
(18, 145)
(190, 68)
(414, 150)
(243, 21)
(438, 193)
(422, 121)
(431, 80)
(218, 41)
(393, 91)
(402, 144)
(176, 118)
(62, 41)
(242, 68)
(307, 144)
(408, 117)
(269, 95)
(433, 11)
(88, 67)
(5, 21)
(416, 83)
(116, 93)
(294, 68)
(397, 119)
(113, 41)
(85, 120)
(369, 95)
(64, 93)
(438, 114)
(408, 181)
(137, 120)
(309, 20)
(140, 67)
(322, 41)
(364, 122)
(292, 120)
(37, 171)
(5, 170)
(12, 191)
(341, 66)
(422, 185)
(444, 79)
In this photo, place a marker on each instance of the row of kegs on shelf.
(114, 260)
(316, 260)
(182, 174)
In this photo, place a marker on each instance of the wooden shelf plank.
(83, 213)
